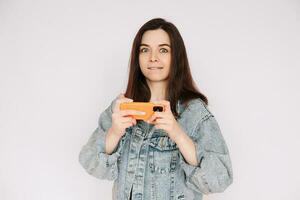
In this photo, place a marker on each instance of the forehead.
(155, 37)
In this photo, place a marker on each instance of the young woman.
(177, 154)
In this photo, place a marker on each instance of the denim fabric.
(149, 164)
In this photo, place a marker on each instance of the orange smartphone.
(147, 107)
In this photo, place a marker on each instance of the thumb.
(121, 95)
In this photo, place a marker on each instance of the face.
(155, 55)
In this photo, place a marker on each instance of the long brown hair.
(181, 85)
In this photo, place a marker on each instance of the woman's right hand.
(121, 119)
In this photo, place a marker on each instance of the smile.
(154, 68)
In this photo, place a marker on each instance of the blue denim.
(150, 164)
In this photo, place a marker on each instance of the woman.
(177, 154)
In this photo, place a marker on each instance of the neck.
(158, 90)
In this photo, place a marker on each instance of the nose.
(153, 57)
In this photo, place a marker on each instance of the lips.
(153, 68)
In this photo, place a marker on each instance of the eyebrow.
(158, 45)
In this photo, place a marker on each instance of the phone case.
(147, 107)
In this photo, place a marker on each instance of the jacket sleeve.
(93, 157)
(214, 171)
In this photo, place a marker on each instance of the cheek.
(166, 61)
(142, 61)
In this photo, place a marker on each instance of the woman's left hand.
(165, 120)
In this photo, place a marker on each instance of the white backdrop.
(63, 61)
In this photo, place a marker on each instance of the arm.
(111, 141)
(186, 146)
(93, 156)
(207, 166)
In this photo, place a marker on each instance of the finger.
(134, 121)
(121, 100)
(125, 99)
(129, 120)
(159, 126)
(160, 114)
(152, 118)
(126, 119)
(121, 95)
(128, 124)
(160, 121)
(131, 112)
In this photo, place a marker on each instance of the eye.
(164, 50)
(142, 50)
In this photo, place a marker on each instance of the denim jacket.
(149, 164)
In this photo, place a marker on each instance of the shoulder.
(192, 114)
(196, 108)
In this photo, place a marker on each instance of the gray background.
(62, 62)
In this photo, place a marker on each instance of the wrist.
(114, 133)
(177, 134)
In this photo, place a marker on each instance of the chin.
(157, 79)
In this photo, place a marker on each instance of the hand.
(121, 119)
(165, 120)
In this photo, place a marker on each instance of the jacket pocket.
(163, 155)
(163, 158)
